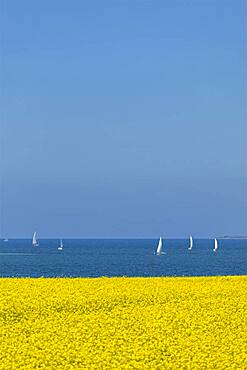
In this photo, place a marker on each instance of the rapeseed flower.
(123, 323)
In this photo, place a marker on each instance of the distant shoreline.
(232, 237)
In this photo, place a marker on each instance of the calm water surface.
(121, 257)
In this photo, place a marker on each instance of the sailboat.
(35, 241)
(191, 243)
(215, 245)
(159, 247)
(60, 248)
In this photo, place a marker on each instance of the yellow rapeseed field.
(123, 323)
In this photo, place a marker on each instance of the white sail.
(61, 245)
(215, 245)
(35, 240)
(191, 243)
(159, 247)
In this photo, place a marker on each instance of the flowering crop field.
(123, 323)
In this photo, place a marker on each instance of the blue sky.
(123, 118)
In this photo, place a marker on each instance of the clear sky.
(123, 118)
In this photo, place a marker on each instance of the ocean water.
(121, 257)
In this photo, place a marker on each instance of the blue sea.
(121, 257)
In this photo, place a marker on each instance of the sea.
(122, 257)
